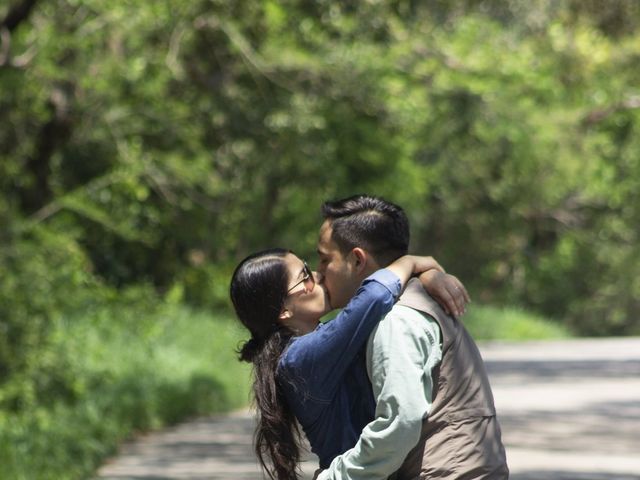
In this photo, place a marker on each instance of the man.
(434, 414)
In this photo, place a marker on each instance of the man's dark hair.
(371, 223)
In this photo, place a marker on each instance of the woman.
(277, 298)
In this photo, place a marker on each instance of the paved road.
(569, 410)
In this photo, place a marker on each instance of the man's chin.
(327, 301)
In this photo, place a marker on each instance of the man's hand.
(447, 290)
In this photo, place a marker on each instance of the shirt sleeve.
(400, 355)
(321, 357)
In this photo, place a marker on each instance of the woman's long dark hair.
(258, 291)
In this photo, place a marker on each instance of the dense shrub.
(171, 139)
(122, 368)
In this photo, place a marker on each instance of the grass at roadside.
(121, 372)
(118, 369)
(509, 323)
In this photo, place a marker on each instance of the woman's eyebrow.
(301, 271)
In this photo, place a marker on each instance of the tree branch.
(247, 54)
(52, 134)
(18, 14)
(89, 188)
(597, 116)
(5, 45)
(171, 59)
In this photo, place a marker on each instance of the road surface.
(569, 410)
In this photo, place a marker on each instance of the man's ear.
(360, 259)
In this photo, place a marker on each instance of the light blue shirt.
(401, 353)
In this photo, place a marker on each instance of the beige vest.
(461, 436)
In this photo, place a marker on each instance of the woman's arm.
(409, 265)
(322, 357)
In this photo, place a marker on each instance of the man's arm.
(400, 354)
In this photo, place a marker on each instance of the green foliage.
(145, 148)
(44, 275)
(124, 367)
(170, 142)
(486, 322)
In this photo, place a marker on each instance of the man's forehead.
(324, 234)
(326, 245)
(323, 248)
(326, 228)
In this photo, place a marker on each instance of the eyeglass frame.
(308, 276)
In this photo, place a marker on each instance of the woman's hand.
(447, 290)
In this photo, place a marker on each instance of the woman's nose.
(318, 277)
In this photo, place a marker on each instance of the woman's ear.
(285, 315)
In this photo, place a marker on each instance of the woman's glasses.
(308, 280)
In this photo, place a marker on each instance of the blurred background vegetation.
(146, 147)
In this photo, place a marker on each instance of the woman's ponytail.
(258, 291)
(277, 436)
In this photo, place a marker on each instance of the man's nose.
(318, 277)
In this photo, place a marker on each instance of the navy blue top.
(323, 373)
